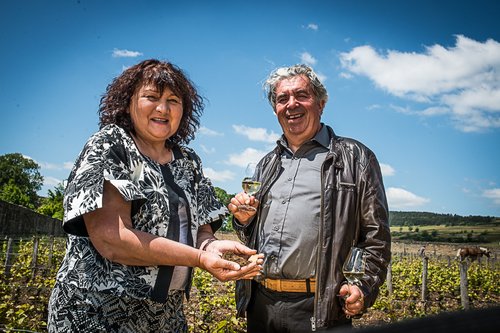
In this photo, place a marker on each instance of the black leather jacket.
(354, 211)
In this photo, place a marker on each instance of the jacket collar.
(334, 146)
(324, 137)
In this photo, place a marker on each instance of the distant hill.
(424, 218)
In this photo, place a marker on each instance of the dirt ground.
(443, 249)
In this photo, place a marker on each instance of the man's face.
(298, 111)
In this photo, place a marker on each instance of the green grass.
(488, 235)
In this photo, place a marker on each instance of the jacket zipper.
(313, 324)
(318, 251)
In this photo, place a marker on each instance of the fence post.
(35, 255)
(425, 261)
(389, 279)
(51, 251)
(8, 256)
(464, 293)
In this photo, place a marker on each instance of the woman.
(135, 204)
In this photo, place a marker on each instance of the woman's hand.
(354, 300)
(242, 198)
(221, 268)
(224, 270)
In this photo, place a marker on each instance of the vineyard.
(30, 266)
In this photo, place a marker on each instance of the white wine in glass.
(249, 185)
(354, 266)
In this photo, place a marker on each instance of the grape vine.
(25, 291)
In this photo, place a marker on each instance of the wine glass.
(354, 267)
(249, 185)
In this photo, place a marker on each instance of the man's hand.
(353, 298)
(243, 215)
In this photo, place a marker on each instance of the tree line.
(397, 218)
(20, 180)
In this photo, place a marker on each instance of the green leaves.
(24, 295)
(20, 179)
(53, 205)
(443, 288)
(225, 199)
(212, 307)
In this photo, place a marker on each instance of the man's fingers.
(256, 258)
(246, 272)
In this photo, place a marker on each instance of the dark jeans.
(281, 312)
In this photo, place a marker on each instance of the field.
(25, 290)
(485, 235)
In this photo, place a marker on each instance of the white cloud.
(403, 110)
(68, 165)
(52, 166)
(493, 194)
(51, 181)
(387, 170)
(346, 75)
(218, 176)
(249, 155)
(28, 157)
(373, 107)
(125, 54)
(256, 133)
(435, 111)
(208, 132)
(49, 166)
(462, 81)
(308, 59)
(207, 150)
(399, 198)
(321, 77)
(313, 26)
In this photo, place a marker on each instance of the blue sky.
(416, 81)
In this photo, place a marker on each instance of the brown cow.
(472, 252)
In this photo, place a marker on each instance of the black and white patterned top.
(112, 155)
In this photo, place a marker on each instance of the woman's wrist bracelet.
(206, 243)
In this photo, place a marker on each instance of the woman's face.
(155, 117)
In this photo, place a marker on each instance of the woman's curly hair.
(115, 103)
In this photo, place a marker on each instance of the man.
(320, 195)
